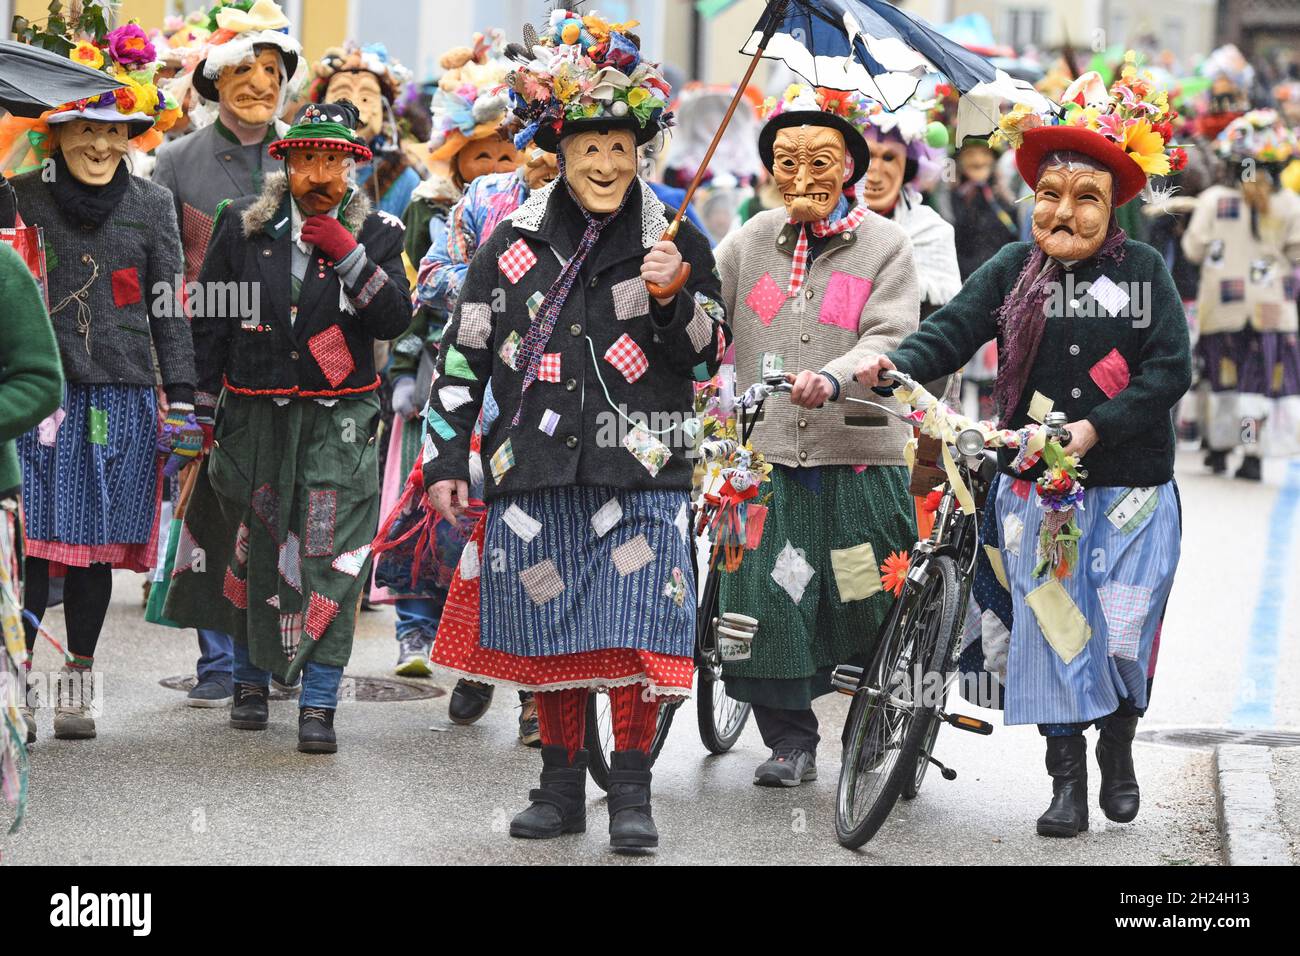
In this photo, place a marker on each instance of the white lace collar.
(654, 221)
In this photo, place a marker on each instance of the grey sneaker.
(413, 656)
(786, 768)
(209, 693)
(73, 719)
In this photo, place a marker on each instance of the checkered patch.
(290, 563)
(1232, 290)
(1229, 207)
(331, 352)
(322, 513)
(542, 582)
(236, 590)
(700, 328)
(510, 350)
(631, 299)
(321, 612)
(549, 369)
(290, 634)
(517, 260)
(633, 555)
(475, 325)
(351, 562)
(626, 356)
(186, 551)
(196, 233)
(534, 304)
(1125, 607)
(241, 544)
(266, 505)
(502, 460)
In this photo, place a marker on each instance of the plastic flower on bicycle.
(893, 573)
(1059, 494)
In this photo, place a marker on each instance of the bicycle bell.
(970, 442)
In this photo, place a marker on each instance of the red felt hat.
(1042, 140)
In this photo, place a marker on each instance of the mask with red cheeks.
(1072, 206)
(318, 179)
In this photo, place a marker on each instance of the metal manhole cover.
(369, 689)
(1207, 738)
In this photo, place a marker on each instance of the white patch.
(430, 450)
(274, 601)
(1013, 530)
(1109, 296)
(453, 396)
(522, 523)
(469, 565)
(792, 572)
(995, 641)
(550, 421)
(605, 519)
(683, 522)
(350, 562)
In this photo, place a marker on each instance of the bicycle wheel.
(721, 718)
(892, 712)
(599, 736)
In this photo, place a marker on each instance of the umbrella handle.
(672, 288)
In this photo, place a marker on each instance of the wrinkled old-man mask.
(491, 154)
(885, 175)
(1071, 210)
(318, 178)
(93, 150)
(540, 169)
(252, 90)
(599, 167)
(362, 89)
(808, 167)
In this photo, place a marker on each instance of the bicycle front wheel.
(894, 710)
(721, 718)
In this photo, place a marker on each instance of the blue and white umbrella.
(883, 52)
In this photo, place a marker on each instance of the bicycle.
(720, 719)
(900, 696)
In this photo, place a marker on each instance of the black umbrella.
(33, 80)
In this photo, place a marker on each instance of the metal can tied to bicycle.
(736, 634)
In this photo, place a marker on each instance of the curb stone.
(1248, 819)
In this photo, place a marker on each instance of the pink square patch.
(846, 296)
(765, 298)
(517, 260)
(1111, 373)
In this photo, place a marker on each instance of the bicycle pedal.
(972, 724)
(845, 679)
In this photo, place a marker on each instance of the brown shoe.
(72, 715)
(530, 734)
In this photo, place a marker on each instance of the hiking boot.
(316, 730)
(1067, 763)
(413, 656)
(631, 825)
(787, 767)
(469, 701)
(209, 693)
(249, 711)
(559, 805)
(72, 718)
(530, 732)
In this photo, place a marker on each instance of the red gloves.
(329, 236)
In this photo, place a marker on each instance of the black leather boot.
(1251, 469)
(1216, 461)
(248, 710)
(559, 806)
(631, 827)
(469, 701)
(1067, 763)
(316, 730)
(1119, 798)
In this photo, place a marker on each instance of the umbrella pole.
(776, 13)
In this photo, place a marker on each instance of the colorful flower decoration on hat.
(471, 101)
(1258, 135)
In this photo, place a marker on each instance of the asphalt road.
(164, 783)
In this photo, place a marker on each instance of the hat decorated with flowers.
(237, 30)
(848, 112)
(1127, 128)
(331, 126)
(1258, 135)
(471, 101)
(351, 58)
(585, 73)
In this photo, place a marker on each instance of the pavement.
(164, 783)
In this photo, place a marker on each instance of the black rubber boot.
(248, 710)
(1216, 461)
(559, 805)
(469, 701)
(631, 826)
(316, 730)
(1119, 798)
(1250, 469)
(1067, 763)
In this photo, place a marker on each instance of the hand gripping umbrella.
(33, 80)
(875, 48)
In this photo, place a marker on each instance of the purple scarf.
(1021, 320)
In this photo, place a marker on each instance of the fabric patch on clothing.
(266, 505)
(675, 588)
(97, 426)
(1228, 207)
(792, 572)
(605, 518)
(633, 555)
(126, 286)
(857, 576)
(367, 293)
(647, 449)
(236, 590)
(241, 544)
(542, 582)
(439, 425)
(322, 513)
(683, 522)
(626, 356)
(517, 260)
(1039, 407)
(631, 299)
(550, 421)
(429, 452)
(290, 634)
(321, 612)
(548, 370)
(765, 298)
(475, 325)
(456, 365)
(502, 460)
(330, 350)
(534, 303)
(510, 350)
(846, 296)
(351, 562)
(522, 523)
(1013, 531)
(187, 551)
(700, 329)
(1129, 512)
(453, 397)
(1059, 618)
(290, 563)
(469, 564)
(999, 569)
(1126, 607)
(1108, 295)
(1232, 290)
(1111, 374)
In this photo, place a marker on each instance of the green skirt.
(275, 546)
(814, 582)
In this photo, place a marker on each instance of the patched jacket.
(611, 339)
(246, 337)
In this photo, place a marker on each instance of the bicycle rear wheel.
(599, 737)
(721, 718)
(893, 711)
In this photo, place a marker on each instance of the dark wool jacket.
(328, 352)
(1123, 373)
(127, 304)
(677, 345)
